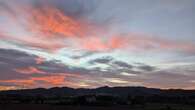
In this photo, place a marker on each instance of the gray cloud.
(117, 66)
(74, 8)
(12, 59)
(145, 67)
(103, 60)
(123, 64)
(82, 55)
(165, 79)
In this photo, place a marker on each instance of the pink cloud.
(30, 70)
(50, 29)
(102, 44)
(52, 80)
(146, 43)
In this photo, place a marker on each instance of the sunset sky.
(93, 43)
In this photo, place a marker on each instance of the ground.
(62, 107)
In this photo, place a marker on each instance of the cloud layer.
(96, 43)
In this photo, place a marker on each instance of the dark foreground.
(125, 107)
(104, 98)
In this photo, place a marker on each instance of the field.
(62, 107)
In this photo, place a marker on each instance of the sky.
(94, 43)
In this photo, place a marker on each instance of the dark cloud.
(10, 60)
(13, 59)
(16, 58)
(144, 67)
(74, 8)
(122, 64)
(103, 60)
(82, 55)
(19, 68)
(117, 66)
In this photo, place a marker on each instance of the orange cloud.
(51, 21)
(23, 82)
(34, 70)
(51, 80)
(117, 42)
(4, 88)
(57, 79)
(50, 29)
(102, 44)
(54, 26)
(29, 70)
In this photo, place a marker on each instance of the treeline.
(97, 100)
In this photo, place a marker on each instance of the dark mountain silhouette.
(103, 98)
(116, 91)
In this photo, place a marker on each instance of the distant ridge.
(118, 91)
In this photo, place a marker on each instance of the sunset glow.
(77, 43)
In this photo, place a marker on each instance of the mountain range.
(116, 91)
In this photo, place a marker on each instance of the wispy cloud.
(74, 43)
